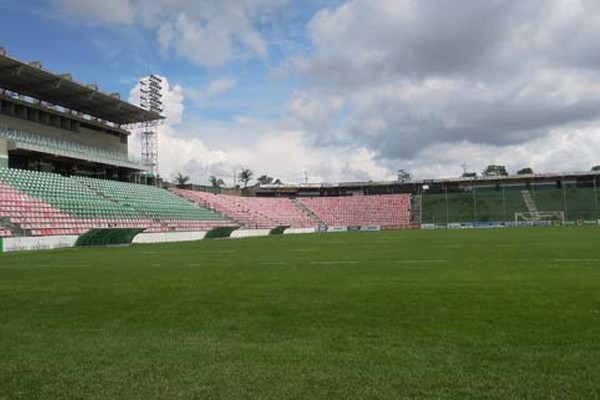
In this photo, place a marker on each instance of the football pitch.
(495, 314)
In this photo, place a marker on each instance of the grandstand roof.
(30, 79)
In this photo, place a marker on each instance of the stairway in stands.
(6, 225)
(529, 202)
(416, 208)
(308, 211)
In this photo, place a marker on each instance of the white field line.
(332, 262)
(577, 260)
(275, 263)
(421, 261)
(60, 266)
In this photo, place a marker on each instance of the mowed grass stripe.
(255, 319)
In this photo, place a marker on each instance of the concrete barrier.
(244, 233)
(168, 237)
(38, 243)
(335, 229)
(296, 231)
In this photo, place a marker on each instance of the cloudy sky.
(345, 90)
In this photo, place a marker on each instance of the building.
(50, 122)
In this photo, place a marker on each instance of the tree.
(181, 179)
(469, 175)
(495, 170)
(246, 176)
(525, 171)
(216, 182)
(264, 180)
(278, 182)
(596, 168)
(403, 176)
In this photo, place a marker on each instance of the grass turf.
(439, 314)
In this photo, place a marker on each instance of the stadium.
(344, 290)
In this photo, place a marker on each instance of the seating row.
(252, 212)
(49, 204)
(383, 210)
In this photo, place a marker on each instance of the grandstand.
(65, 169)
(50, 122)
(40, 203)
(157, 204)
(253, 212)
(389, 211)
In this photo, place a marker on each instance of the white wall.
(294, 231)
(244, 233)
(168, 237)
(38, 243)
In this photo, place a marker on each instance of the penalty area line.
(333, 262)
(421, 261)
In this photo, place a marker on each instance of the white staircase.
(530, 203)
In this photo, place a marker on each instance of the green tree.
(246, 176)
(525, 171)
(181, 179)
(403, 176)
(216, 182)
(494, 170)
(596, 168)
(264, 180)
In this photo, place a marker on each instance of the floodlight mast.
(151, 100)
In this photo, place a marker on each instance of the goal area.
(550, 216)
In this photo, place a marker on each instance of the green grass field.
(494, 314)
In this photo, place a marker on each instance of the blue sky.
(345, 90)
(116, 56)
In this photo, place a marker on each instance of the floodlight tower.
(151, 100)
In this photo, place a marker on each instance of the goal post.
(550, 216)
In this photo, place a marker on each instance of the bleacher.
(495, 205)
(384, 210)
(252, 212)
(158, 204)
(489, 205)
(32, 141)
(576, 203)
(49, 204)
(40, 203)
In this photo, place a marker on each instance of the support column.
(3, 153)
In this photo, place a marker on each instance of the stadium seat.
(172, 211)
(383, 210)
(252, 212)
(43, 204)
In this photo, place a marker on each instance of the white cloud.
(105, 11)
(213, 89)
(277, 150)
(205, 32)
(423, 85)
(562, 150)
(221, 85)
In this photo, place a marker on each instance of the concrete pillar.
(3, 153)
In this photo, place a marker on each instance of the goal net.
(550, 216)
